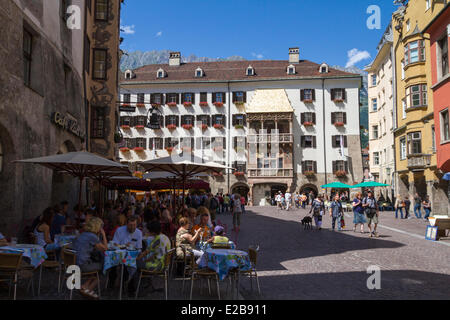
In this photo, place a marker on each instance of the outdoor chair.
(164, 273)
(9, 269)
(253, 255)
(203, 273)
(68, 259)
(50, 264)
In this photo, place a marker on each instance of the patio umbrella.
(370, 184)
(81, 164)
(336, 185)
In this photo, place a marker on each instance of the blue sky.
(325, 31)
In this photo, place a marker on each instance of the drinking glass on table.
(13, 241)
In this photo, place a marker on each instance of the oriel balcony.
(269, 138)
(285, 173)
(419, 162)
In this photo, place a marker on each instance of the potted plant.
(171, 126)
(125, 127)
(339, 124)
(340, 173)
(309, 174)
(239, 173)
(124, 149)
(218, 104)
(139, 126)
(187, 126)
(218, 126)
(140, 105)
(169, 149)
(203, 104)
(239, 126)
(138, 149)
(172, 104)
(187, 104)
(308, 123)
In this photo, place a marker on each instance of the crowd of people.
(164, 219)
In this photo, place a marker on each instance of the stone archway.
(242, 189)
(307, 188)
(63, 184)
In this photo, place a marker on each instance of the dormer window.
(291, 69)
(198, 73)
(128, 74)
(323, 68)
(160, 73)
(250, 71)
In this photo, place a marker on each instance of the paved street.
(310, 264)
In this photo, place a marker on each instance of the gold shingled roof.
(269, 101)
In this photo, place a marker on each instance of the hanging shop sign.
(68, 124)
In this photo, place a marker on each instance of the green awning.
(370, 184)
(336, 185)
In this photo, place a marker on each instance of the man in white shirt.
(131, 236)
(287, 197)
(278, 199)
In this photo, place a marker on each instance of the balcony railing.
(271, 173)
(419, 161)
(268, 138)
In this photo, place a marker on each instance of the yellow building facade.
(415, 151)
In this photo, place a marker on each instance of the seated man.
(128, 235)
(203, 225)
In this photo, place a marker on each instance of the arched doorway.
(63, 185)
(275, 188)
(241, 189)
(308, 188)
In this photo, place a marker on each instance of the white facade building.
(282, 121)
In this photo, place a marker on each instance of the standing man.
(288, 200)
(417, 204)
(336, 212)
(371, 209)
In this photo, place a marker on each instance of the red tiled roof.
(232, 71)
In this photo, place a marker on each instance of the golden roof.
(269, 101)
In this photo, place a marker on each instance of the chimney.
(294, 56)
(174, 59)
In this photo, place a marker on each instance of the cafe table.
(224, 260)
(120, 257)
(204, 245)
(33, 252)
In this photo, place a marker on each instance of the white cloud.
(355, 56)
(127, 29)
(257, 55)
(159, 34)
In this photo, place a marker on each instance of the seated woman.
(218, 238)
(153, 257)
(187, 241)
(89, 251)
(42, 230)
(203, 226)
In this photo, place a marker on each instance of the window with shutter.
(203, 97)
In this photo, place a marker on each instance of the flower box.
(138, 149)
(126, 105)
(204, 104)
(308, 101)
(125, 127)
(204, 126)
(339, 124)
(140, 105)
(218, 126)
(239, 126)
(171, 126)
(239, 173)
(309, 174)
(239, 103)
(187, 126)
(172, 104)
(187, 104)
(156, 105)
(340, 174)
(169, 149)
(125, 149)
(218, 104)
(308, 124)
(139, 127)
(338, 100)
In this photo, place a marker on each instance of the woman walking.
(358, 212)
(317, 209)
(237, 210)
